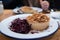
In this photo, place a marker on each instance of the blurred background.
(11, 4)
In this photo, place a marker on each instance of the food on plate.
(32, 24)
(38, 21)
(20, 26)
(27, 9)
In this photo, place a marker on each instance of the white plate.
(4, 27)
(34, 8)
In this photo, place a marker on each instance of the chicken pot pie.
(27, 9)
(38, 21)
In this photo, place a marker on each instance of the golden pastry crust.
(38, 21)
(38, 18)
(27, 9)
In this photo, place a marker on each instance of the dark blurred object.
(54, 4)
(57, 4)
(11, 4)
(34, 3)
